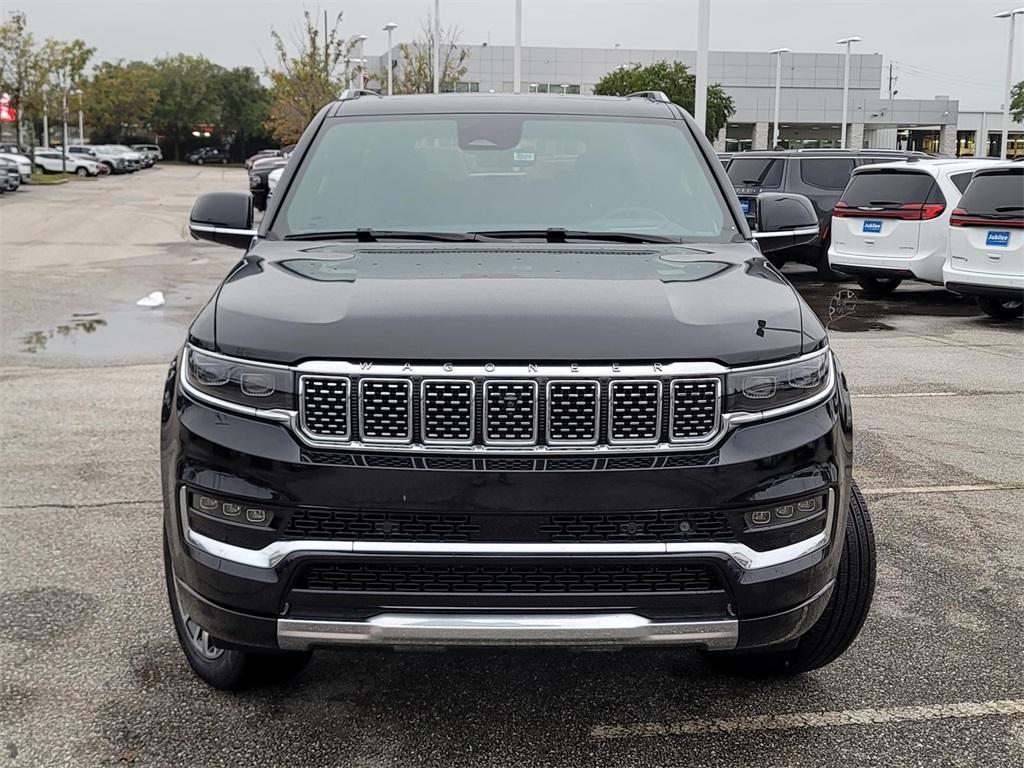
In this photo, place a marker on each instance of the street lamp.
(700, 98)
(437, 46)
(389, 28)
(517, 54)
(81, 121)
(1012, 16)
(360, 39)
(778, 89)
(846, 86)
(46, 118)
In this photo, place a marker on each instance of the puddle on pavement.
(844, 307)
(108, 335)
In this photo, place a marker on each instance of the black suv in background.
(508, 371)
(207, 156)
(820, 175)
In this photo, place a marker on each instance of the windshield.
(508, 173)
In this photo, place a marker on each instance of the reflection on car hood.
(295, 301)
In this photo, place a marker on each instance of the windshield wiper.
(366, 235)
(1002, 208)
(558, 235)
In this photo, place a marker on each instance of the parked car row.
(260, 171)
(820, 175)
(957, 223)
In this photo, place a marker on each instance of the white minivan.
(891, 224)
(986, 241)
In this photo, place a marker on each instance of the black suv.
(508, 370)
(820, 175)
(207, 156)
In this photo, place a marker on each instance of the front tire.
(1001, 309)
(81, 171)
(836, 628)
(876, 287)
(199, 161)
(226, 668)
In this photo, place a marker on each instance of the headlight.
(772, 386)
(249, 384)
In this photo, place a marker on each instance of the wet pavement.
(91, 673)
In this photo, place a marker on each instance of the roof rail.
(355, 93)
(651, 95)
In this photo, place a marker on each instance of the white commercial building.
(810, 105)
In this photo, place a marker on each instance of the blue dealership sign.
(999, 239)
(872, 226)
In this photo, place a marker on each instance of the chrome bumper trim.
(273, 554)
(501, 629)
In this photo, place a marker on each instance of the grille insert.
(447, 411)
(573, 409)
(510, 412)
(473, 578)
(325, 406)
(634, 412)
(694, 412)
(385, 410)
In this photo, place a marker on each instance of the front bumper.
(252, 597)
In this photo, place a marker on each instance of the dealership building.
(810, 106)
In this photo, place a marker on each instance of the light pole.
(81, 121)
(778, 90)
(846, 86)
(360, 39)
(700, 100)
(46, 118)
(517, 54)
(1012, 16)
(389, 28)
(437, 46)
(64, 130)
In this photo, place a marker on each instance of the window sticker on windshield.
(872, 226)
(998, 239)
(745, 206)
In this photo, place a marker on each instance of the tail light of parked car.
(907, 212)
(962, 218)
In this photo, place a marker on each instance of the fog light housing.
(790, 513)
(256, 516)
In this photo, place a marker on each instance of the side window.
(826, 172)
(961, 180)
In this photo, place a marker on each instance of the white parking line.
(940, 489)
(795, 720)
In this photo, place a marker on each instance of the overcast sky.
(939, 47)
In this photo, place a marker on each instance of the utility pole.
(847, 41)
(1012, 16)
(64, 130)
(46, 117)
(327, 52)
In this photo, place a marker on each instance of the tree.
(17, 58)
(244, 108)
(1017, 102)
(301, 83)
(121, 98)
(57, 69)
(416, 61)
(677, 83)
(188, 96)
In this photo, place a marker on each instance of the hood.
(289, 302)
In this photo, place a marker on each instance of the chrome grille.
(510, 412)
(634, 412)
(452, 413)
(447, 411)
(573, 411)
(325, 407)
(385, 410)
(694, 413)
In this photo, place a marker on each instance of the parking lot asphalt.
(91, 672)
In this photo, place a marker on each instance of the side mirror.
(223, 217)
(784, 220)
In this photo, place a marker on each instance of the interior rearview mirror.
(782, 220)
(223, 217)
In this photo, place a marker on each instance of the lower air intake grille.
(592, 577)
